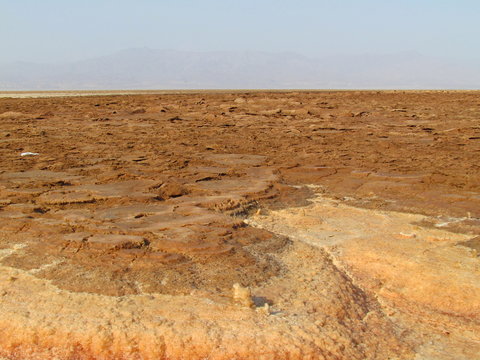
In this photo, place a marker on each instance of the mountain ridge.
(144, 68)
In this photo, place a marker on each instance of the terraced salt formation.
(352, 218)
(155, 235)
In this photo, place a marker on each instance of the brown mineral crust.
(123, 238)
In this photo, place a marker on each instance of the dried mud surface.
(351, 220)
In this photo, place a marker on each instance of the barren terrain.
(350, 221)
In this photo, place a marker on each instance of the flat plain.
(350, 221)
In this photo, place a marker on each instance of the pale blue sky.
(62, 30)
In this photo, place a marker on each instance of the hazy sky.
(62, 30)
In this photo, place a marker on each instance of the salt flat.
(351, 217)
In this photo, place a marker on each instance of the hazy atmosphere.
(55, 44)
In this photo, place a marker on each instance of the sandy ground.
(350, 220)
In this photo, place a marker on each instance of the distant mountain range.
(168, 69)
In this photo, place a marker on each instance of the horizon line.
(117, 92)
